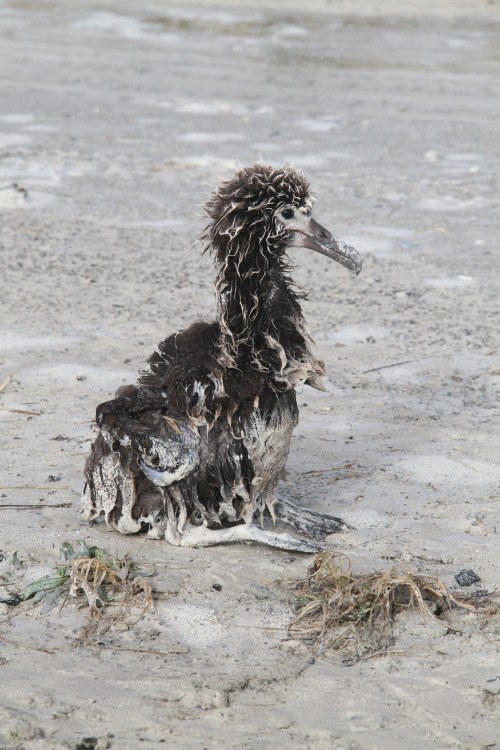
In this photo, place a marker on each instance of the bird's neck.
(262, 325)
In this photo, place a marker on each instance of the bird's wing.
(185, 368)
(167, 448)
(159, 419)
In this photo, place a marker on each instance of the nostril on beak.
(323, 234)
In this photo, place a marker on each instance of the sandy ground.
(117, 118)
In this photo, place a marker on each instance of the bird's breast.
(266, 435)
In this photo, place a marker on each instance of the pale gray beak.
(312, 235)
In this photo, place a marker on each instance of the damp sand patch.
(338, 610)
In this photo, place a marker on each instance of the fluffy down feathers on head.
(249, 200)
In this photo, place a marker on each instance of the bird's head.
(264, 210)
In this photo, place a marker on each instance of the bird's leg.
(202, 536)
(315, 525)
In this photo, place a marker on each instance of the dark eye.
(288, 213)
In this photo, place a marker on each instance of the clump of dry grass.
(107, 581)
(340, 610)
(99, 581)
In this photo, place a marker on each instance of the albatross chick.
(192, 453)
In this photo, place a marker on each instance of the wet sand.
(115, 122)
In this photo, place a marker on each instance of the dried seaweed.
(99, 581)
(341, 611)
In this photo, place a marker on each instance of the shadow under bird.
(192, 453)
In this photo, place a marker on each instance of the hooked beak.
(312, 235)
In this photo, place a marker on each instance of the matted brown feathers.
(262, 189)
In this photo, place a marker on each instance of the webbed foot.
(202, 536)
(315, 525)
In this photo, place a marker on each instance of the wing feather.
(166, 447)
